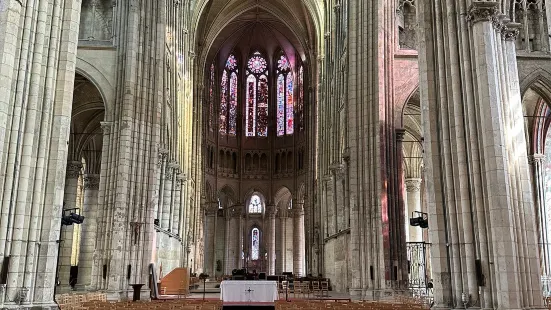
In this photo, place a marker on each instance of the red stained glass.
(232, 126)
(231, 63)
(290, 105)
(251, 106)
(257, 64)
(280, 105)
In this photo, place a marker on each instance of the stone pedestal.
(88, 230)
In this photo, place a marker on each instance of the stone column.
(283, 234)
(271, 211)
(413, 198)
(543, 214)
(66, 246)
(177, 204)
(228, 262)
(298, 240)
(235, 238)
(88, 230)
(167, 197)
(211, 210)
(163, 154)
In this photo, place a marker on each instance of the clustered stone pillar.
(298, 240)
(70, 200)
(543, 216)
(88, 230)
(271, 242)
(167, 197)
(413, 198)
(233, 238)
(176, 204)
(210, 235)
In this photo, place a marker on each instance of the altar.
(248, 291)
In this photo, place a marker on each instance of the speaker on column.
(479, 274)
(104, 275)
(128, 271)
(371, 273)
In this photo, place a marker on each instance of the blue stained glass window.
(280, 105)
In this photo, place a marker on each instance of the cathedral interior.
(391, 147)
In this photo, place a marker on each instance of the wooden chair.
(316, 288)
(324, 288)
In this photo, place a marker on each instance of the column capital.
(73, 169)
(211, 208)
(106, 127)
(413, 185)
(91, 181)
(297, 212)
(271, 211)
(511, 31)
(537, 158)
(400, 134)
(483, 11)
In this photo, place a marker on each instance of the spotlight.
(71, 219)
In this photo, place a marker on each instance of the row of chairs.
(70, 301)
(303, 289)
(348, 305)
(188, 304)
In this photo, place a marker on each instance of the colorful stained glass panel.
(224, 104)
(255, 246)
(280, 105)
(290, 105)
(231, 63)
(283, 64)
(257, 64)
(262, 107)
(250, 117)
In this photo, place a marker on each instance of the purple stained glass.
(231, 63)
(283, 64)
(280, 105)
(211, 98)
(255, 248)
(290, 105)
(224, 104)
(232, 125)
(257, 64)
(262, 107)
(251, 106)
(300, 107)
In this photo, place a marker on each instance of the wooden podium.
(176, 282)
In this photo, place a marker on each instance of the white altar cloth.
(238, 291)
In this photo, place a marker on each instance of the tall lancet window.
(211, 98)
(285, 103)
(256, 113)
(228, 100)
(255, 244)
(300, 101)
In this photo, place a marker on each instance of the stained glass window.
(290, 103)
(231, 63)
(257, 64)
(262, 107)
(280, 105)
(255, 246)
(232, 125)
(256, 108)
(228, 100)
(300, 104)
(224, 104)
(211, 98)
(255, 206)
(250, 118)
(285, 102)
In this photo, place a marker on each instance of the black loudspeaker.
(395, 273)
(128, 271)
(479, 274)
(371, 272)
(105, 272)
(262, 276)
(4, 271)
(156, 222)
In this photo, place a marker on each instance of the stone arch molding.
(100, 81)
(540, 80)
